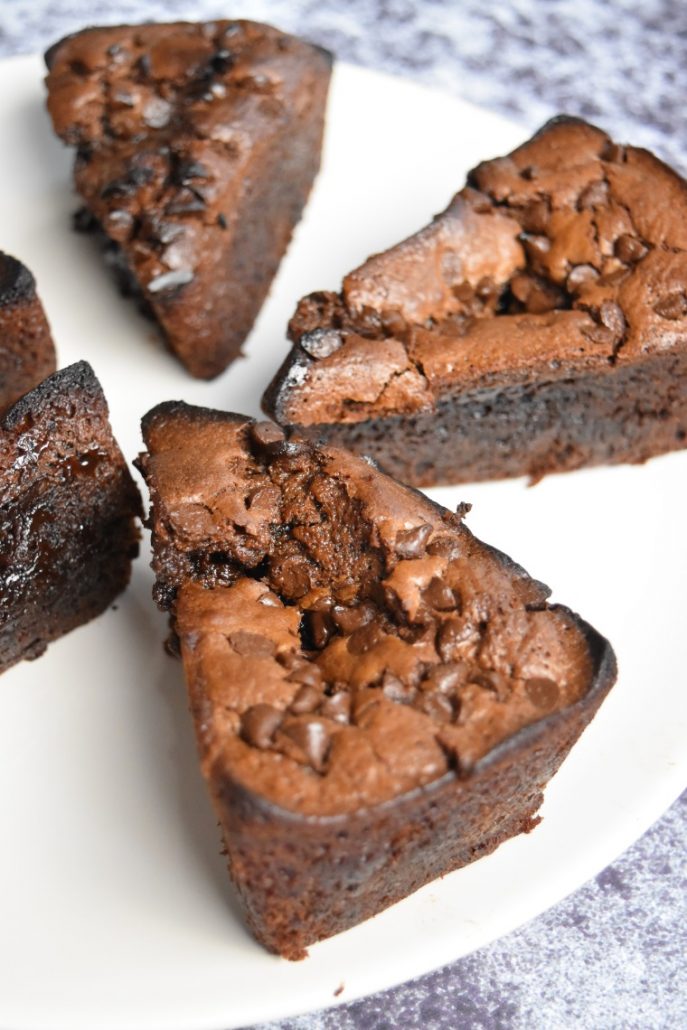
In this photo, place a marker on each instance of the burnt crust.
(357, 663)
(197, 145)
(554, 266)
(68, 510)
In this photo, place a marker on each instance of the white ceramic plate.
(115, 909)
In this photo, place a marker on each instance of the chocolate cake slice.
(378, 697)
(68, 507)
(197, 146)
(27, 354)
(538, 325)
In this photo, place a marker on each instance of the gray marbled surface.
(613, 954)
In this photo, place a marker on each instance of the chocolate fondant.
(27, 353)
(68, 507)
(197, 145)
(378, 696)
(538, 325)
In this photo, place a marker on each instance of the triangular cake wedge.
(27, 352)
(378, 697)
(197, 146)
(68, 510)
(538, 325)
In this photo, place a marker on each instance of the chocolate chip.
(535, 217)
(445, 678)
(579, 275)
(170, 280)
(445, 546)
(396, 690)
(186, 202)
(222, 220)
(312, 738)
(536, 247)
(259, 724)
(221, 61)
(320, 628)
(337, 707)
(672, 307)
(411, 543)
(593, 195)
(599, 334)
(143, 66)
(186, 171)
(437, 706)
(629, 249)
(305, 700)
(521, 287)
(266, 437)
(529, 173)
(542, 692)
(612, 152)
(439, 595)
(394, 324)
(124, 98)
(118, 188)
(544, 296)
(119, 225)
(293, 577)
(307, 673)
(486, 288)
(451, 634)
(350, 619)
(251, 645)
(463, 292)
(611, 315)
(365, 638)
(320, 343)
(363, 701)
(166, 232)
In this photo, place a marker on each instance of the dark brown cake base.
(378, 697)
(27, 354)
(68, 509)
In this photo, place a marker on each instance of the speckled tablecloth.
(613, 954)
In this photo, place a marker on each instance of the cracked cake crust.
(197, 146)
(536, 325)
(358, 664)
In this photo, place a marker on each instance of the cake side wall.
(630, 414)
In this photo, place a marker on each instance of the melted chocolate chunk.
(411, 543)
(259, 724)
